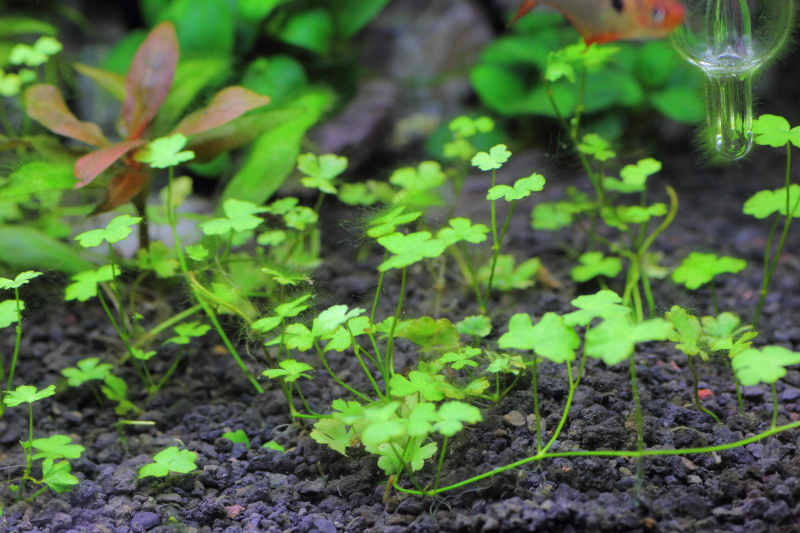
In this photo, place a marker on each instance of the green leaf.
(699, 269)
(266, 324)
(414, 456)
(273, 155)
(293, 308)
(772, 130)
(334, 433)
(453, 416)
(595, 264)
(330, 319)
(766, 366)
(507, 277)
(764, 203)
(386, 224)
(205, 28)
(290, 370)
(461, 358)
(87, 370)
(57, 476)
(57, 447)
(427, 175)
(522, 187)
(493, 160)
(615, 338)
(184, 332)
(551, 216)
(300, 217)
(8, 312)
(170, 460)
(197, 252)
(159, 259)
(409, 249)
(687, 332)
(116, 230)
(38, 176)
(476, 325)
(272, 445)
(27, 393)
(311, 29)
(321, 170)
(165, 152)
(462, 229)
(597, 147)
(240, 216)
(417, 382)
(116, 390)
(634, 177)
(550, 338)
(85, 283)
(237, 436)
(141, 355)
(429, 333)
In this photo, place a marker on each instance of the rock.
(144, 521)
(515, 418)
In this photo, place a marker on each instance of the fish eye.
(659, 14)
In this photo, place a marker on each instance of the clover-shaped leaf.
(116, 390)
(420, 420)
(634, 177)
(197, 252)
(522, 187)
(388, 223)
(507, 276)
(116, 230)
(334, 433)
(605, 304)
(293, 308)
(185, 332)
(321, 170)
(699, 269)
(476, 325)
(21, 279)
(165, 152)
(597, 147)
(427, 175)
(615, 338)
(8, 312)
(595, 264)
(417, 382)
(87, 370)
(549, 338)
(409, 249)
(27, 393)
(295, 337)
(772, 130)
(85, 283)
(240, 216)
(330, 319)
(57, 476)
(764, 203)
(35, 55)
(493, 160)
(57, 447)
(549, 216)
(453, 416)
(413, 455)
(464, 126)
(299, 217)
(290, 370)
(170, 460)
(765, 366)
(237, 436)
(285, 276)
(687, 332)
(462, 229)
(461, 358)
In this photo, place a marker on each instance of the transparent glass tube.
(730, 113)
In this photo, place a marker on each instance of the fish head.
(659, 17)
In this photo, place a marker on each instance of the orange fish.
(602, 21)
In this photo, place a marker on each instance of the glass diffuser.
(730, 40)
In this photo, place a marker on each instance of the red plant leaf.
(44, 104)
(228, 104)
(149, 78)
(124, 186)
(93, 164)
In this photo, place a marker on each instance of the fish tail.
(526, 6)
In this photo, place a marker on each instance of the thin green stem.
(378, 291)
(697, 393)
(474, 282)
(441, 462)
(336, 378)
(390, 340)
(536, 412)
(765, 276)
(774, 407)
(167, 324)
(17, 341)
(497, 243)
(639, 425)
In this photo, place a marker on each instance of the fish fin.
(523, 10)
(601, 38)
